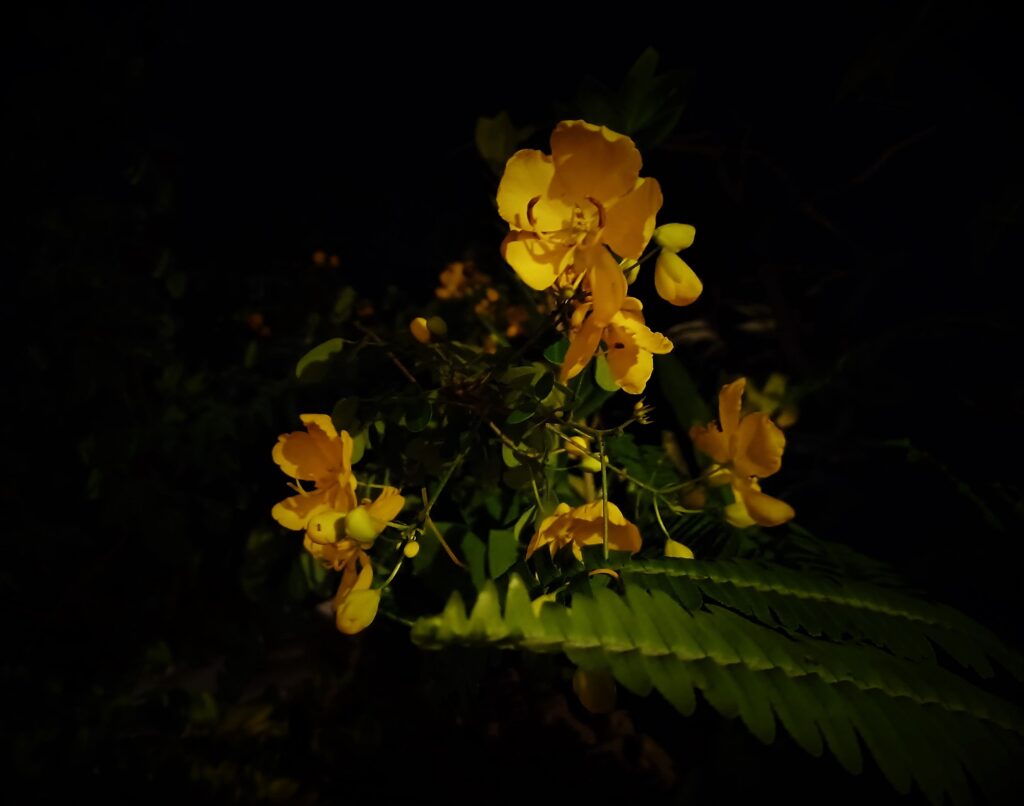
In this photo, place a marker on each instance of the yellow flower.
(320, 455)
(584, 526)
(567, 210)
(630, 345)
(331, 534)
(673, 548)
(748, 449)
(460, 279)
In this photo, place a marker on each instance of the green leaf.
(344, 415)
(502, 551)
(417, 414)
(603, 375)
(474, 553)
(343, 305)
(555, 353)
(313, 365)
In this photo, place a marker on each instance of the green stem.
(604, 491)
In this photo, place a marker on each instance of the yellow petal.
(674, 237)
(294, 513)
(388, 504)
(762, 508)
(709, 440)
(645, 338)
(309, 456)
(592, 162)
(607, 284)
(551, 529)
(537, 262)
(674, 548)
(630, 366)
(730, 400)
(629, 222)
(675, 281)
(587, 528)
(759, 446)
(583, 343)
(362, 526)
(357, 611)
(527, 177)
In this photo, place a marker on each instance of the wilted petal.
(592, 162)
(630, 220)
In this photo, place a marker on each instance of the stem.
(604, 491)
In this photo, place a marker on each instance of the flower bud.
(437, 327)
(596, 690)
(362, 526)
(675, 281)
(419, 329)
(411, 549)
(674, 237)
(357, 611)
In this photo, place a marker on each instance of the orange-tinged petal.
(730, 400)
(710, 440)
(536, 261)
(629, 222)
(582, 346)
(759, 446)
(592, 162)
(588, 527)
(527, 177)
(675, 281)
(321, 423)
(607, 284)
(294, 513)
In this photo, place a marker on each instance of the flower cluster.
(580, 220)
(745, 449)
(339, 529)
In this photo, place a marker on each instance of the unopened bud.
(419, 329)
(674, 237)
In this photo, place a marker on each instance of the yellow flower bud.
(675, 281)
(695, 498)
(674, 548)
(632, 274)
(674, 237)
(419, 329)
(357, 611)
(324, 527)
(437, 327)
(596, 690)
(362, 526)
(411, 549)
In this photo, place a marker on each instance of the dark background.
(855, 176)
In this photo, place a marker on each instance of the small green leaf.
(519, 416)
(687, 404)
(313, 365)
(502, 551)
(555, 353)
(603, 375)
(344, 415)
(417, 414)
